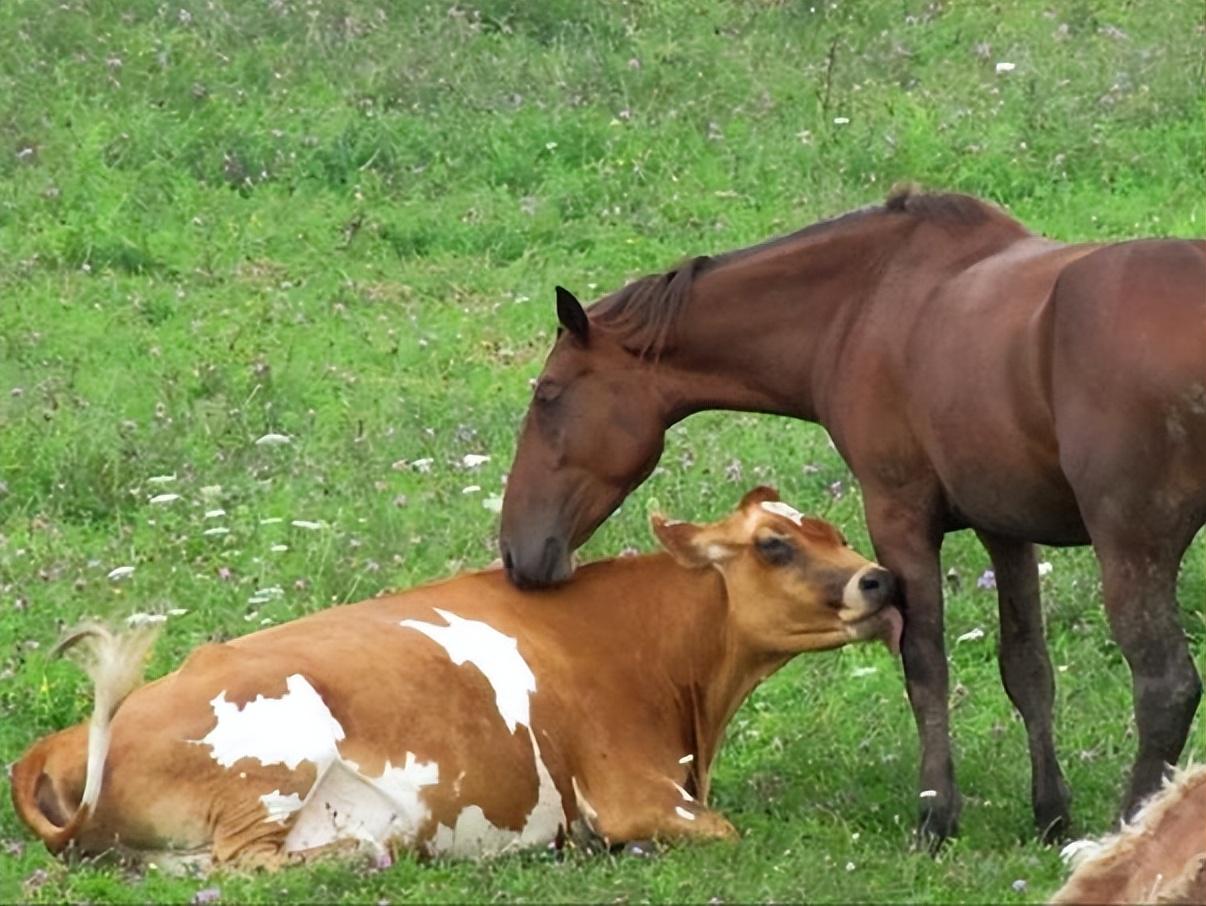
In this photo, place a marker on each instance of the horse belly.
(1029, 505)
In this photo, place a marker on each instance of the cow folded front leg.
(665, 813)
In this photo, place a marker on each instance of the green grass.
(343, 222)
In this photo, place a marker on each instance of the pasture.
(274, 279)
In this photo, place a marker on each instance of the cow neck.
(684, 616)
(725, 680)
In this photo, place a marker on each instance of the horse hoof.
(1051, 816)
(937, 824)
(1052, 824)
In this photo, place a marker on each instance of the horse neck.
(761, 327)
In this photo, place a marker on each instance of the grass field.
(342, 222)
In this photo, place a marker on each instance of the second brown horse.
(972, 374)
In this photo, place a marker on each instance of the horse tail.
(115, 663)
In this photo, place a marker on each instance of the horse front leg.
(907, 542)
(1027, 675)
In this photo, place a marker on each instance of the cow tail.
(115, 663)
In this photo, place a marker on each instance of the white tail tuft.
(115, 663)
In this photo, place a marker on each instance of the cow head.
(793, 582)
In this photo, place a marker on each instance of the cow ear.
(760, 494)
(692, 546)
(572, 315)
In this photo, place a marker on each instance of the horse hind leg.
(1027, 676)
(1139, 575)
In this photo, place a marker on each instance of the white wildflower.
(422, 465)
(214, 514)
(145, 619)
(471, 489)
(841, 120)
(271, 520)
(493, 503)
(863, 671)
(273, 440)
(306, 524)
(216, 531)
(121, 572)
(279, 548)
(1006, 67)
(971, 635)
(473, 460)
(160, 499)
(161, 479)
(1044, 568)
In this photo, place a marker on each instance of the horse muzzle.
(545, 561)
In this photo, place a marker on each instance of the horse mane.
(646, 310)
(940, 207)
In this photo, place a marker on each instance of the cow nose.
(878, 586)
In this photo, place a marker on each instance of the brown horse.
(972, 375)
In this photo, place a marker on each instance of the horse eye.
(775, 550)
(547, 391)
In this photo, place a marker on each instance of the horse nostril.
(869, 583)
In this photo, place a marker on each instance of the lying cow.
(464, 717)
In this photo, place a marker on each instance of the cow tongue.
(893, 628)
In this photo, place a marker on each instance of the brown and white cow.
(464, 717)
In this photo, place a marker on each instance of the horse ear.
(572, 315)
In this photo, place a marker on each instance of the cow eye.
(775, 550)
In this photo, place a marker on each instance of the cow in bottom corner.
(1159, 857)
(464, 717)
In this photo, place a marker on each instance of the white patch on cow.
(474, 836)
(683, 813)
(346, 805)
(288, 730)
(494, 654)
(279, 807)
(779, 508)
(403, 785)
